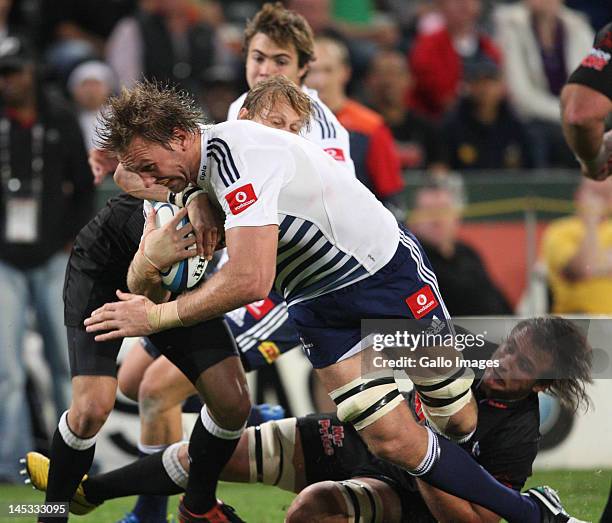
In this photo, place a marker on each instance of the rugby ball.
(186, 274)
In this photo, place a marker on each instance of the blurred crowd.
(460, 84)
(427, 85)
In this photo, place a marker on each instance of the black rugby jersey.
(595, 70)
(101, 256)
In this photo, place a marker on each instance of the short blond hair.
(278, 89)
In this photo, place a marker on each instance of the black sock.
(67, 467)
(448, 467)
(143, 476)
(208, 455)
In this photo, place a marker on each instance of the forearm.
(585, 138)
(144, 279)
(227, 290)
(451, 509)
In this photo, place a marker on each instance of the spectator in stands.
(482, 132)
(90, 85)
(46, 196)
(219, 87)
(435, 219)
(437, 59)
(543, 42)
(577, 252)
(372, 147)
(417, 140)
(164, 40)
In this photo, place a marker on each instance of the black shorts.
(335, 451)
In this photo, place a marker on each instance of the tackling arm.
(247, 276)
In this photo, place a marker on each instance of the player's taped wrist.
(164, 316)
(185, 197)
(144, 268)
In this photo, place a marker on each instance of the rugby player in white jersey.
(278, 41)
(297, 220)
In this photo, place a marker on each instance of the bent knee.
(87, 416)
(317, 502)
(231, 414)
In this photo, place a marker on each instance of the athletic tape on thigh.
(362, 502)
(362, 401)
(70, 438)
(172, 464)
(271, 448)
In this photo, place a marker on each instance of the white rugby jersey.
(324, 129)
(332, 229)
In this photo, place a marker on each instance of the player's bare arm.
(159, 249)
(246, 277)
(584, 111)
(447, 508)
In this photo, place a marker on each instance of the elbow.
(257, 287)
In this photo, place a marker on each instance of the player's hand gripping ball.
(185, 274)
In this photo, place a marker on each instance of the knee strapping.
(443, 396)
(362, 502)
(271, 447)
(362, 401)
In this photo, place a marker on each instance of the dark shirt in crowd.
(417, 142)
(465, 284)
(472, 144)
(66, 198)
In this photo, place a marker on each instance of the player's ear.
(243, 114)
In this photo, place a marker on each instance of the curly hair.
(268, 93)
(572, 358)
(149, 110)
(283, 27)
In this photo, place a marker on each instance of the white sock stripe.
(215, 430)
(150, 449)
(70, 438)
(172, 464)
(433, 453)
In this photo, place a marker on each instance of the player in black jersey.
(327, 463)
(586, 103)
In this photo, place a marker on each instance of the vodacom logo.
(421, 299)
(241, 198)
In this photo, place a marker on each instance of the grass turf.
(584, 494)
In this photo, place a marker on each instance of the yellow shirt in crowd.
(560, 244)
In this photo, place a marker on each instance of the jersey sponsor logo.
(596, 59)
(241, 199)
(336, 153)
(331, 436)
(259, 309)
(422, 302)
(269, 350)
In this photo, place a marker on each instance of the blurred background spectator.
(46, 196)
(219, 87)
(577, 252)
(435, 219)
(543, 41)
(372, 147)
(164, 40)
(90, 84)
(437, 59)
(482, 132)
(417, 139)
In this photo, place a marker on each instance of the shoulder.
(235, 106)
(357, 117)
